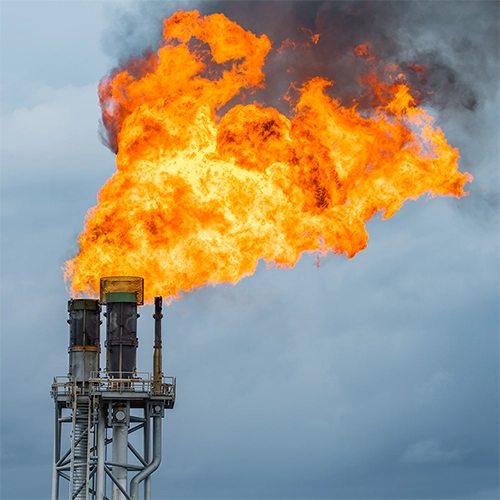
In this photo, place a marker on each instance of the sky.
(375, 377)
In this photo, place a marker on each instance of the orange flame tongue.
(196, 201)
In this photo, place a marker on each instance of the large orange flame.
(199, 199)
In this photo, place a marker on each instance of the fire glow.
(199, 198)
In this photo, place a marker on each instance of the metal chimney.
(84, 346)
(97, 410)
(122, 295)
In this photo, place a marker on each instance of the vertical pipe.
(57, 454)
(147, 471)
(157, 356)
(120, 451)
(147, 450)
(101, 478)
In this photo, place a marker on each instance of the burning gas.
(199, 198)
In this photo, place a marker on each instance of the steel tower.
(108, 423)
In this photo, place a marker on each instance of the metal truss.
(95, 465)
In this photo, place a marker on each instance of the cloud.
(55, 43)
(62, 120)
(430, 451)
(438, 382)
(490, 494)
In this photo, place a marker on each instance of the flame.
(362, 50)
(199, 199)
(289, 43)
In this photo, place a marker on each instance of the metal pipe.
(155, 463)
(101, 478)
(120, 451)
(147, 450)
(109, 472)
(57, 453)
(157, 356)
(137, 455)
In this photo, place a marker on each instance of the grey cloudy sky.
(370, 378)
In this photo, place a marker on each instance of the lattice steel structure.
(108, 423)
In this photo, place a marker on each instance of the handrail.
(62, 385)
(106, 382)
